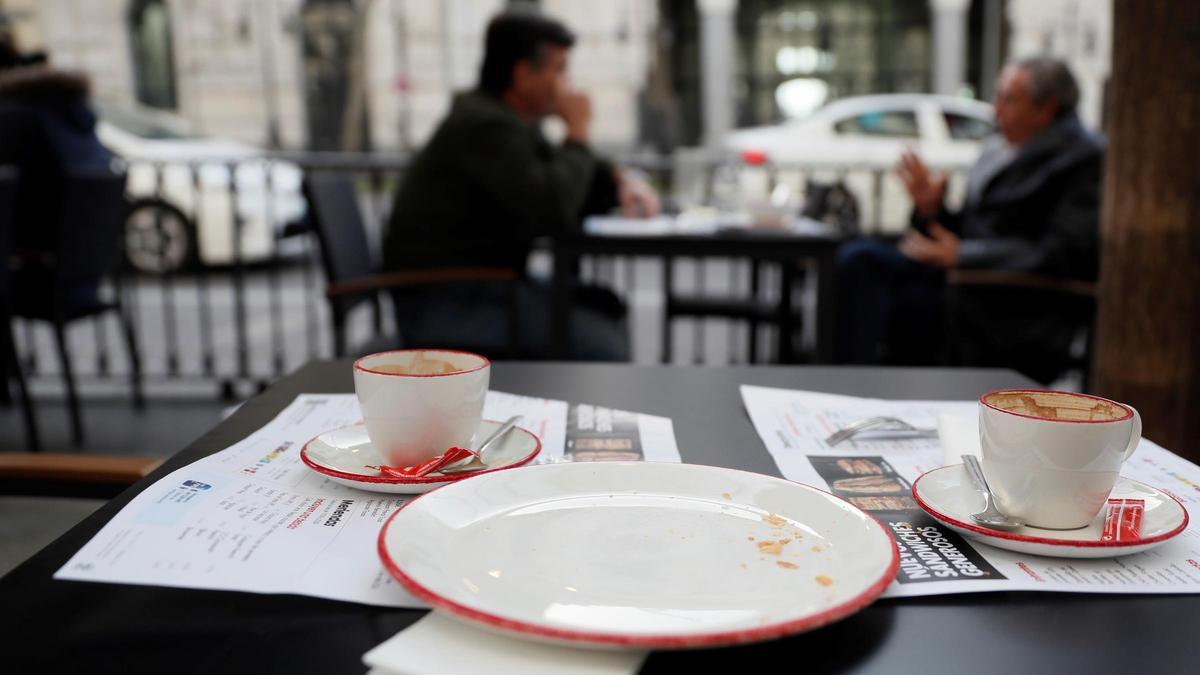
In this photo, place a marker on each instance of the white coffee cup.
(1052, 457)
(417, 403)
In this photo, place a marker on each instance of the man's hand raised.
(926, 189)
(575, 109)
(638, 199)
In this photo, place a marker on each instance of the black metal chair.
(64, 285)
(352, 277)
(830, 203)
(1055, 316)
(748, 309)
(10, 362)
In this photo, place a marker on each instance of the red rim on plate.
(822, 618)
(428, 478)
(358, 362)
(1012, 536)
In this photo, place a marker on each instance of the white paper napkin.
(438, 645)
(959, 436)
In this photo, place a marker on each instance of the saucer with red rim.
(343, 455)
(948, 495)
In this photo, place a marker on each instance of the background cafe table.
(808, 241)
(49, 626)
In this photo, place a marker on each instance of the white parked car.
(854, 140)
(187, 218)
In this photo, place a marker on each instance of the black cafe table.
(49, 626)
(787, 248)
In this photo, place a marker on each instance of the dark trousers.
(889, 307)
(476, 316)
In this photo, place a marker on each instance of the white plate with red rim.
(950, 497)
(344, 454)
(639, 555)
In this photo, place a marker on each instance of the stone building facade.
(1079, 32)
(378, 74)
(327, 74)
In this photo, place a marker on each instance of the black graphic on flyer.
(595, 433)
(929, 551)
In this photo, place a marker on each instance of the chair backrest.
(333, 207)
(337, 220)
(92, 223)
(1030, 323)
(8, 201)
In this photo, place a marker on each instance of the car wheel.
(159, 239)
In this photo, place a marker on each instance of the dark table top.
(761, 243)
(49, 626)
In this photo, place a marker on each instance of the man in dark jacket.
(1032, 205)
(488, 182)
(47, 129)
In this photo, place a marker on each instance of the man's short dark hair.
(514, 36)
(1051, 80)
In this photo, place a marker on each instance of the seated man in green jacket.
(488, 182)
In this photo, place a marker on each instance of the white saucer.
(948, 495)
(638, 554)
(343, 455)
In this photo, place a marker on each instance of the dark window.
(153, 58)
(965, 128)
(855, 46)
(892, 123)
(860, 47)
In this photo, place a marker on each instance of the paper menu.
(254, 518)
(934, 560)
(545, 417)
(585, 432)
(794, 425)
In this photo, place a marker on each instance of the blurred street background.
(219, 107)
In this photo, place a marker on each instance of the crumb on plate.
(772, 547)
(774, 520)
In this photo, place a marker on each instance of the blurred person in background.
(1032, 205)
(46, 129)
(488, 182)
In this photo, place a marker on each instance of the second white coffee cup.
(417, 403)
(1052, 457)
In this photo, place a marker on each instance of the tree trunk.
(1148, 328)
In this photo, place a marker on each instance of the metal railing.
(245, 303)
(222, 281)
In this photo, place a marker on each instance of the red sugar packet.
(1123, 519)
(428, 466)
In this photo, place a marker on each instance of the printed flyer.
(254, 518)
(875, 471)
